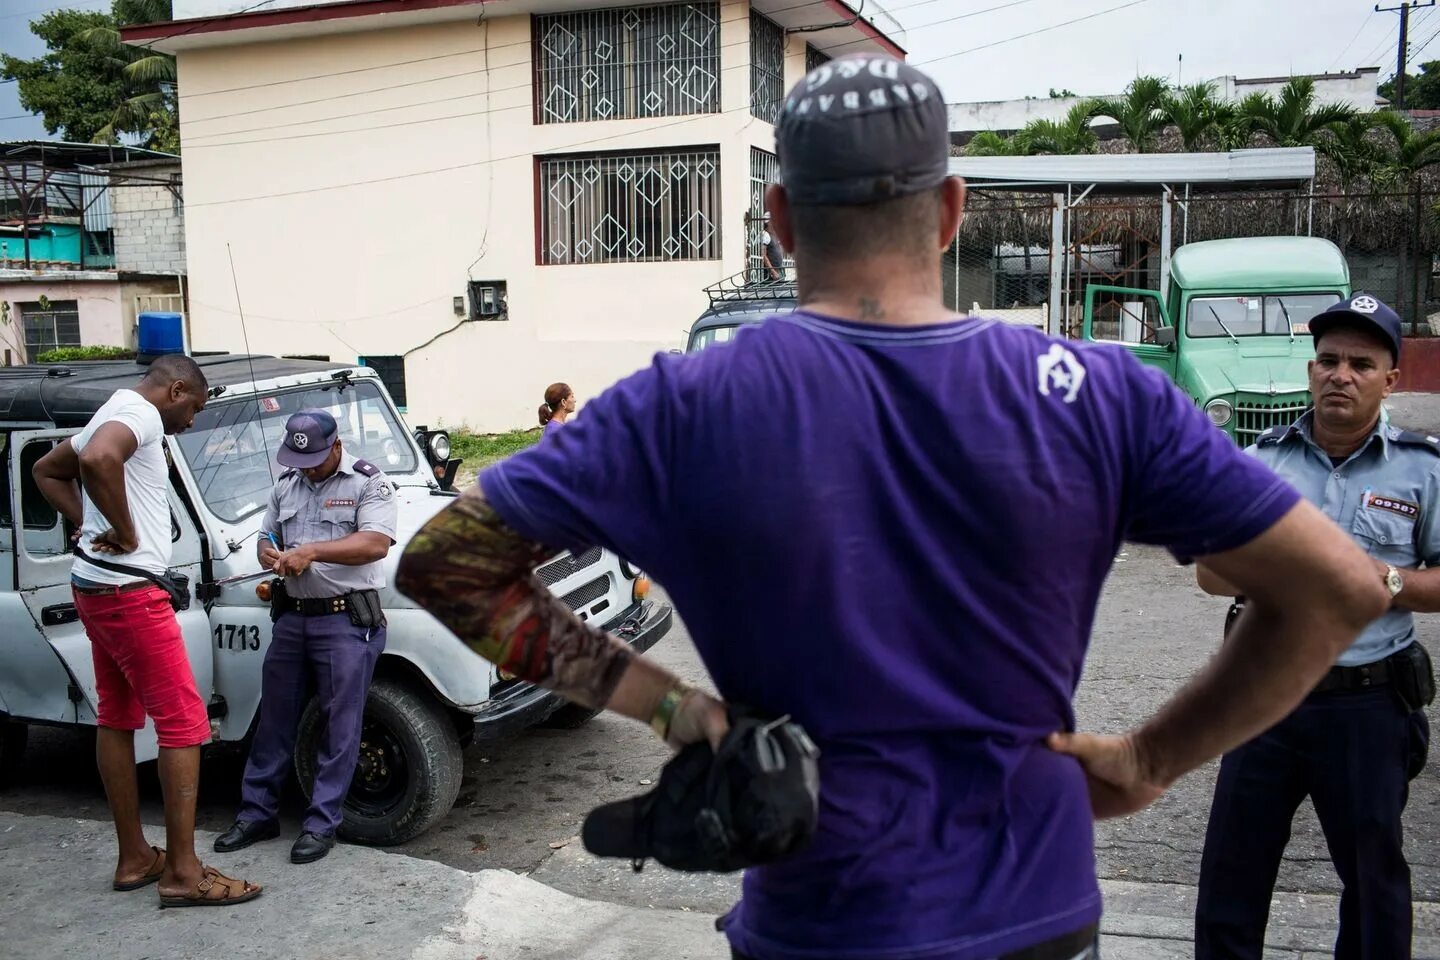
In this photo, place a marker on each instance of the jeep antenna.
(250, 359)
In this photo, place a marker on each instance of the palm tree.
(1352, 148)
(1408, 155)
(1070, 135)
(1197, 115)
(1292, 119)
(988, 143)
(149, 75)
(1139, 111)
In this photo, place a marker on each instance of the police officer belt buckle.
(319, 606)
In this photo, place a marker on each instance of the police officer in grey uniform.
(330, 523)
(1355, 743)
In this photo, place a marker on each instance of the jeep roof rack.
(742, 287)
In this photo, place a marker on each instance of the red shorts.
(141, 666)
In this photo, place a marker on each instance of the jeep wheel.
(13, 736)
(408, 774)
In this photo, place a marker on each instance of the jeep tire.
(13, 737)
(409, 770)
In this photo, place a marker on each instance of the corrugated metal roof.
(1275, 167)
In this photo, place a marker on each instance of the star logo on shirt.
(1060, 372)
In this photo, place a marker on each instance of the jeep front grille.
(1254, 417)
(587, 594)
(568, 563)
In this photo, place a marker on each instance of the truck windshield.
(231, 447)
(1255, 316)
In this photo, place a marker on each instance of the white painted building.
(1356, 88)
(480, 198)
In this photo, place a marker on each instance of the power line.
(626, 134)
(1421, 49)
(55, 6)
(1363, 24)
(1022, 36)
(529, 43)
(1384, 44)
(192, 142)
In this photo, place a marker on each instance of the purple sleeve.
(603, 480)
(1191, 489)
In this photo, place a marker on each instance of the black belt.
(1355, 678)
(317, 606)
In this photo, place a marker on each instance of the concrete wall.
(1355, 89)
(148, 223)
(99, 302)
(354, 243)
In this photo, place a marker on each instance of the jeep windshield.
(1271, 314)
(231, 447)
(710, 336)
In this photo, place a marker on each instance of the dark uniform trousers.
(331, 656)
(1349, 751)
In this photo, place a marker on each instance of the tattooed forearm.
(474, 574)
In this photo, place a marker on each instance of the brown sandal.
(214, 890)
(156, 869)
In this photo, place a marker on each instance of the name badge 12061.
(230, 636)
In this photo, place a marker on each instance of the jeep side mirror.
(1165, 337)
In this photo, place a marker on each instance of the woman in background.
(559, 405)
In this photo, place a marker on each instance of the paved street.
(522, 801)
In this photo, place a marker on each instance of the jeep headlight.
(1219, 411)
(439, 447)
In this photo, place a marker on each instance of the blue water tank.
(160, 333)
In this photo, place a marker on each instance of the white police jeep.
(431, 695)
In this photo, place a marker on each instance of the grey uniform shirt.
(355, 498)
(1386, 495)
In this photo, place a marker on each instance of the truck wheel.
(13, 736)
(409, 770)
(572, 716)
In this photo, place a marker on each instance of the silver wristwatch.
(1393, 581)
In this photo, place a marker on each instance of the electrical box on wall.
(489, 300)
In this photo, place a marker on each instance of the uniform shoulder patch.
(1413, 438)
(1272, 436)
(366, 469)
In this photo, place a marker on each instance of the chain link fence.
(1006, 262)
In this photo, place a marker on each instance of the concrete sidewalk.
(365, 904)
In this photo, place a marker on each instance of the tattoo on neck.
(474, 574)
(870, 309)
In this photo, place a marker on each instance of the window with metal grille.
(630, 207)
(764, 170)
(392, 374)
(814, 57)
(767, 67)
(55, 324)
(619, 64)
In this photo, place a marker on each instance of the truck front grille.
(1254, 417)
(587, 594)
(567, 564)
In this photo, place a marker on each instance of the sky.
(1186, 39)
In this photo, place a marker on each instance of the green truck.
(1233, 328)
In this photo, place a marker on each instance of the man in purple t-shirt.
(911, 515)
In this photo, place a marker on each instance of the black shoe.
(310, 847)
(244, 833)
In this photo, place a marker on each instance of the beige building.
(481, 198)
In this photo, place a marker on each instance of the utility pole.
(1402, 52)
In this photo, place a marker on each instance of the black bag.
(173, 582)
(1413, 677)
(279, 599)
(364, 608)
(754, 801)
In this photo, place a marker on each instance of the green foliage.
(481, 449)
(1422, 90)
(90, 87)
(1290, 120)
(1140, 111)
(1201, 120)
(1062, 92)
(70, 354)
